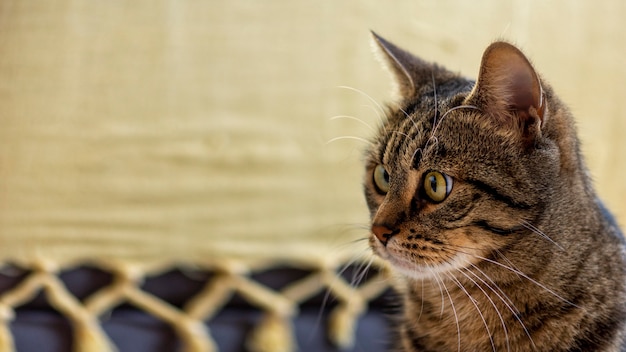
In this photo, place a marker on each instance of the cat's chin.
(415, 270)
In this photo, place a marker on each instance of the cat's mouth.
(420, 262)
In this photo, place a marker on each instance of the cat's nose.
(383, 233)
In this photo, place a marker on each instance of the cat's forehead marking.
(404, 139)
(414, 135)
(411, 131)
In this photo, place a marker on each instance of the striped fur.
(520, 255)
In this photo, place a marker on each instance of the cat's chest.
(447, 311)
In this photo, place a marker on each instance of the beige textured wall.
(183, 130)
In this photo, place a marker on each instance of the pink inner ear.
(525, 90)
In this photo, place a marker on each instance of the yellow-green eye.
(437, 186)
(381, 179)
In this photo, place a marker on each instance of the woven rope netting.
(137, 137)
(192, 321)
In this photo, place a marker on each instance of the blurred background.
(181, 128)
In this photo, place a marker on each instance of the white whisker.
(349, 137)
(380, 108)
(348, 117)
(411, 119)
(528, 278)
(534, 229)
(495, 307)
(456, 316)
(510, 263)
(381, 118)
(355, 259)
(493, 286)
(480, 313)
(436, 127)
(416, 131)
(443, 300)
(361, 272)
(422, 301)
(435, 143)
(504, 298)
(401, 133)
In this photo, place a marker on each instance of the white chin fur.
(417, 271)
(414, 270)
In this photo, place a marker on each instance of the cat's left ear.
(509, 90)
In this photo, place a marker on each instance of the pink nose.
(383, 233)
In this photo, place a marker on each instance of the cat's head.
(462, 169)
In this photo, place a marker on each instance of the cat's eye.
(381, 179)
(437, 186)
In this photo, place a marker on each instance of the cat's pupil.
(433, 183)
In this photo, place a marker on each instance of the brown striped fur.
(520, 255)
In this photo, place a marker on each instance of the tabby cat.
(481, 203)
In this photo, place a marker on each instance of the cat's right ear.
(509, 90)
(408, 71)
